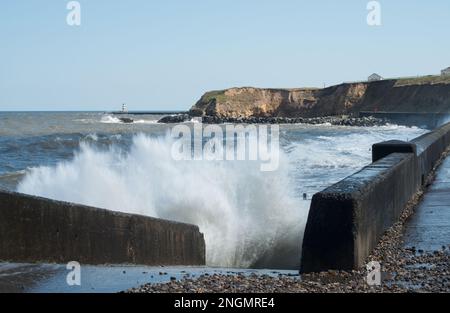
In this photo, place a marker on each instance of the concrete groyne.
(346, 220)
(34, 229)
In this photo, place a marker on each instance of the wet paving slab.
(429, 227)
(50, 278)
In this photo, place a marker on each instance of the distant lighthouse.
(124, 108)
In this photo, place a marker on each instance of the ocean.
(93, 158)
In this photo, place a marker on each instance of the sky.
(163, 55)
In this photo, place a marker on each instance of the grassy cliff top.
(423, 80)
(220, 95)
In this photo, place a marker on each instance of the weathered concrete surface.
(346, 220)
(383, 149)
(430, 148)
(429, 228)
(424, 120)
(35, 229)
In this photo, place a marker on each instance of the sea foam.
(244, 213)
(249, 218)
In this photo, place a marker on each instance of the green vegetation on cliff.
(218, 95)
(417, 94)
(423, 80)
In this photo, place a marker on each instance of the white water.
(241, 210)
(108, 119)
(244, 213)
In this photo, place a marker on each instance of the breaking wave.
(249, 218)
(245, 214)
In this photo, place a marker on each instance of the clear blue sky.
(164, 54)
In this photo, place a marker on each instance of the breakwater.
(368, 121)
(34, 229)
(346, 220)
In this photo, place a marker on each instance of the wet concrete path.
(429, 227)
(49, 278)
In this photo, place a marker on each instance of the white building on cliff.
(446, 72)
(374, 77)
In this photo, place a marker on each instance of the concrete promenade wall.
(421, 119)
(431, 146)
(35, 229)
(346, 220)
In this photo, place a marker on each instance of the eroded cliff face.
(387, 95)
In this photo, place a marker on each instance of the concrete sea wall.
(346, 220)
(423, 120)
(36, 229)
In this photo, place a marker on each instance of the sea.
(250, 218)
